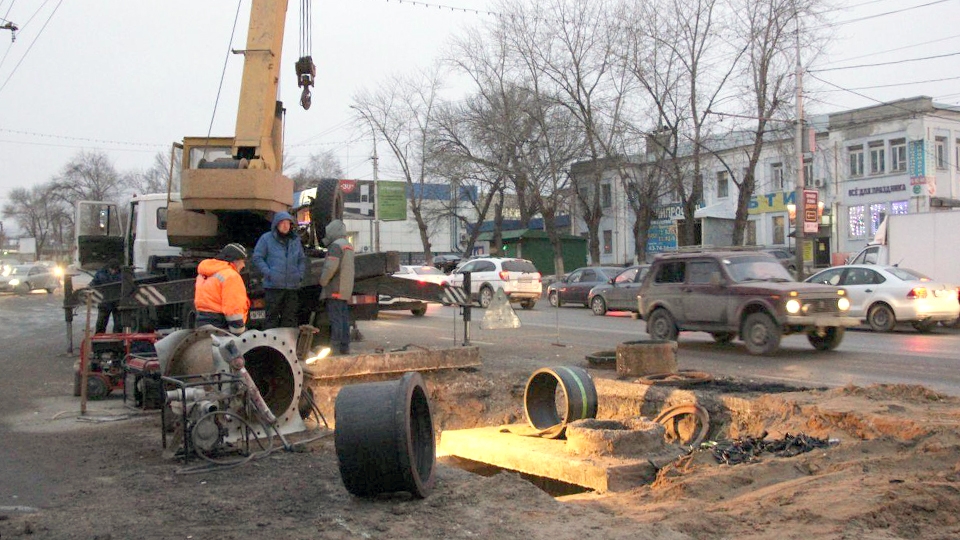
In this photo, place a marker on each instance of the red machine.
(108, 354)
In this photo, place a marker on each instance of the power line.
(55, 145)
(868, 17)
(885, 63)
(9, 77)
(451, 8)
(82, 139)
(892, 50)
(889, 85)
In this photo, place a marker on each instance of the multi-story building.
(895, 158)
(867, 163)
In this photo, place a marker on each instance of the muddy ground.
(894, 474)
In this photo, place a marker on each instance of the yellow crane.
(231, 186)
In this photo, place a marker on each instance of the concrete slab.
(546, 458)
(340, 367)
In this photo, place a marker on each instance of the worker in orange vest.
(220, 295)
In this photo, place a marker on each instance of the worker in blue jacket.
(279, 257)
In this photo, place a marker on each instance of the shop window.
(856, 221)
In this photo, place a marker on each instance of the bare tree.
(89, 176)
(680, 54)
(36, 212)
(323, 164)
(769, 30)
(157, 178)
(568, 50)
(402, 110)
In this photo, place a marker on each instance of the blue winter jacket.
(280, 259)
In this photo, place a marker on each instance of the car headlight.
(793, 306)
(14, 282)
(58, 271)
(843, 304)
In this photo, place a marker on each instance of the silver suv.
(518, 278)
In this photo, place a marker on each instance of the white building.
(898, 157)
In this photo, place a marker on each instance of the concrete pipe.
(384, 437)
(540, 399)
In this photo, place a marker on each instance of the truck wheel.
(662, 326)
(761, 334)
(528, 304)
(326, 207)
(829, 340)
(723, 337)
(881, 318)
(486, 296)
(419, 312)
(598, 305)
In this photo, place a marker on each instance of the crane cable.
(306, 69)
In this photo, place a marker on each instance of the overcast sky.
(129, 77)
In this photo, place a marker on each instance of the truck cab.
(146, 234)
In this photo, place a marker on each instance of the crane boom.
(230, 187)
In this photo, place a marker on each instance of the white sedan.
(886, 295)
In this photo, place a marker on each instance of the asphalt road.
(864, 357)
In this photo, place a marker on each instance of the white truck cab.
(147, 231)
(102, 237)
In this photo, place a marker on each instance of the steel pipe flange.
(271, 358)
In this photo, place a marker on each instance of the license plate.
(258, 314)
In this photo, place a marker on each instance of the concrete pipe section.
(384, 437)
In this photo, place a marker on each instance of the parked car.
(446, 262)
(518, 278)
(29, 277)
(620, 293)
(787, 259)
(885, 295)
(428, 274)
(419, 273)
(575, 287)
(735, 293)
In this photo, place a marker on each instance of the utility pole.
(798, 149)
(376, 177)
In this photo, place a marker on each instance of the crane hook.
(306, 73)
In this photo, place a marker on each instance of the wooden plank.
(338, 367)
(546, 458)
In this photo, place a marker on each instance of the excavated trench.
(470, 398)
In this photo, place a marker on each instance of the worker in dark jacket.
(110, 273)
(337, 282)
(220, 295)
(279, 256)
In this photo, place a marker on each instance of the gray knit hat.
(232, 252)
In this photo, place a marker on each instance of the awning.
(721, 210)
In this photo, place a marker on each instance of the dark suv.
(749, 294)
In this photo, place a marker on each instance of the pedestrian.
(220, 295)
(279, 257)
(337, 282)
(109, 273)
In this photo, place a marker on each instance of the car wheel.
(723, 337)
(761, 334)
(924, 327)
(661, 325)
(486, 296)
(554, 299)
(419, 312)
(881, 318)
(50, 290)
(528, 304)
(22, 288)
(598, 305)
(829, 340)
